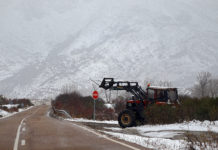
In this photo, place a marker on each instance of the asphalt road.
(35, 130)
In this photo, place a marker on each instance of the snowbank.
(6, 114)
(185, 126)
(3, 113)
(162, 136)
(9, 106)
(92, 121)
(157, 143)
(165, 137)
(111, 106)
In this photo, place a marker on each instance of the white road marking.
(23, 142)
(18, 130)
(17, 137)
(105, 137)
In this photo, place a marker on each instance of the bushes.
(3, 100)
(12, 109)
(190, 109)
(161, 114)
(82, 107)
(200, 109)
(22, 103)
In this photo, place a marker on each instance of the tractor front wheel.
(126, 118)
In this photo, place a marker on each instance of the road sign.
(95, 95)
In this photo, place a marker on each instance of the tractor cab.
(162, 95)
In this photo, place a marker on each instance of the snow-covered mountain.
(47, 44)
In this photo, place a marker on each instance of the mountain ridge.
(46, 45)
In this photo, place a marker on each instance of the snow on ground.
(3, 113)
(111, 106)
(156, 143)
(9, 106)
(185, 126)
(6, 114)
(162, 136)
(158, 130)
(166, 137)
(93, 121)
(157, 134)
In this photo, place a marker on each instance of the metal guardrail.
(62, 112)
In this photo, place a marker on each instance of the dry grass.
(202, 141)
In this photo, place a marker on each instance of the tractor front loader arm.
(132, 87)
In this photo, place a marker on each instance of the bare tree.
(165, 83)
(196, 91)
(68, 88)
(203, 79)
(201, 89)
(213, 88)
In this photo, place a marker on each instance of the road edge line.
(17, 136)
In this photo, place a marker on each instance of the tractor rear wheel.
(126, 118)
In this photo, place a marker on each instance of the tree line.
(206, 86)
(202, 104)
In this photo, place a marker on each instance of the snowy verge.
(92, 121)
(6, 114)
(9, 106)
(156, 143)
(194, 125)
(161, 130)
(185, 126)
(165, 137)
(162, 136)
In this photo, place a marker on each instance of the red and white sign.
(95, 95)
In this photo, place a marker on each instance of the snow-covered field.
(169, 137)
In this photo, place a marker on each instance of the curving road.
(34, 130)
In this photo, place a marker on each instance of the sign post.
(95, 97)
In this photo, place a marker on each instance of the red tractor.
(135, 108)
